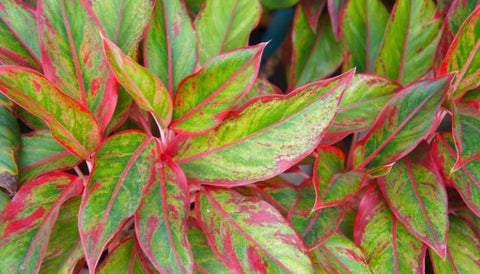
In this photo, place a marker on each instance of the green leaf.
(463, 250)
(296, 203)
(335, 8)
(388, 246)
(333, 185)
(338, 254)
(260, 87)
(145, 88)
(315, 54)
(125, 258)
(313, 9)
(225, 25)
(239, 230)
(20, 44)
(71, 47)
(278, 4)
(9, 145)
(72, 124)
(402, 124)
(160, 220)
(124, 21)
(410, 41)
(194, 5)
(206, 261)
(122, 168)
(27, 222)
(363, 100)
(363, 26)
(466, 129)
(64, 248)
(466, 179)
(40, 154)
(4, 201)
(281, 130)
(204, 99)
(416, 194)
(462, 57)
(165, 48)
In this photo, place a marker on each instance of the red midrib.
(420, 202)
(241, 231)
(232, 15)
(402, 60)
(394, 242)
(119, 21)
(169, 48)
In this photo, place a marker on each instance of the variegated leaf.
(466, 179)
(463, 250)
(363, 26)
(126, 257)
(9, 145)
(145, 88)
(416, 194)
(315, 54)
(333, 185)
(410, 41)
(334, 9)
(204, 99)
(259, 88)
(71, 47)
(462, 57)
(27, 222)
(170, 47)
(466, 130)
(296, 203)
(313, 9)
(388, 246)
(206, 261)
(161, 219)
(64, 248)
(230, 220)
(280, 129)
(225, 25)
(71, 123)
(122, 168)
(20, 44)
(338, 254)
(402, 124)
(39, 154)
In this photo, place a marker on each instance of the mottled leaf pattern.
(142, 84)
(388, 246)
(363, 26)
(462, 56)
(466, 130)
(315, 54)
(160, 220)
(363, 100)
(260, 87)
(64, 248)
(410, 41)
(419, 200)
(206, 260)
(72, 124)
(466, 179)
(20, 44)
(123, 21)
(9, 145)
(125, 258)
(225, 25)
(71, 47)
(40, 154)
(463, 250)
(333, 185)
(202, 102)
(231, 220)
(402, 124)
(294, 123)
(26, 224)
(295, 204)
(338, 254)
(170, 47)
(123, 167)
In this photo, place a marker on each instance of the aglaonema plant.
(141, 136)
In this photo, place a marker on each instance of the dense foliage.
(142, 136)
